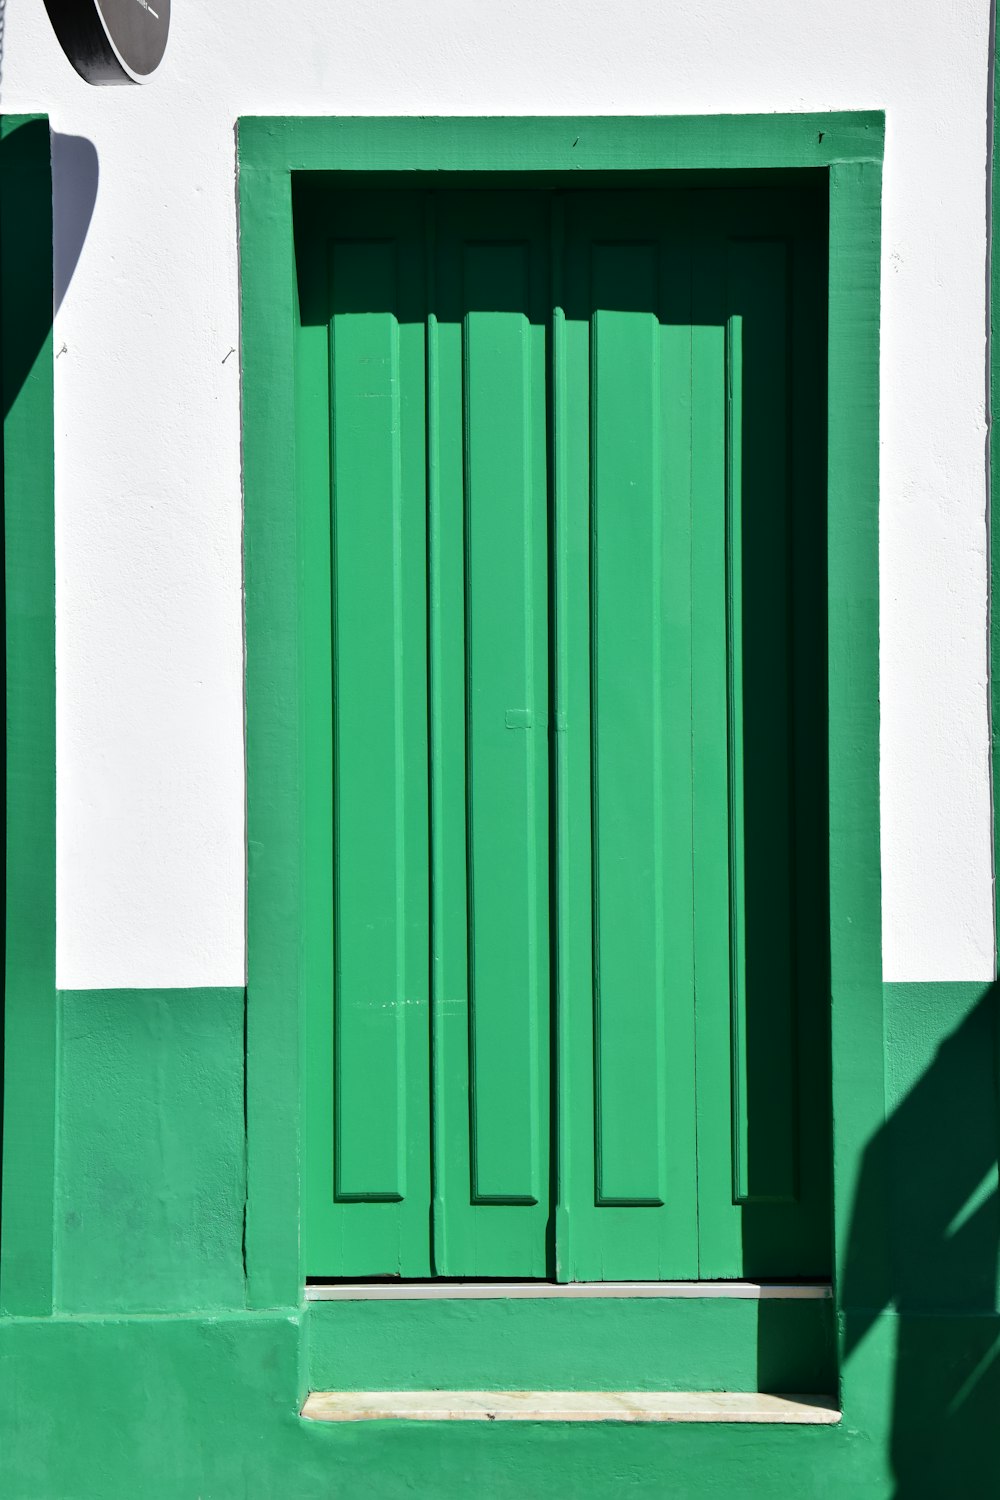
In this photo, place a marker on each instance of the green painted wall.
(680, 1344)
(151, 1173)
(129, 1364)
(921, 1334)
(103, 1400)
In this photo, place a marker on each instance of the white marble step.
(568, 1406)
(449, 1291)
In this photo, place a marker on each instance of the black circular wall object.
(112, 41)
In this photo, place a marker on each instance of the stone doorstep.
(450, 1291)
(569, 1406)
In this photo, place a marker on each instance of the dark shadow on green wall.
(44, 220)
(25, 324)
(923, 1246)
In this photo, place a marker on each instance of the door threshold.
(569, 1406)
(418, 1291)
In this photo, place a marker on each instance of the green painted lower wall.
(150, 1156)
(940, 1146)
(176, 1408)
(131, 1410)
(920, 1333)
(151, 1381)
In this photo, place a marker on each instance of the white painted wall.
(151, 828)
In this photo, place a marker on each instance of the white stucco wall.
(150, 771)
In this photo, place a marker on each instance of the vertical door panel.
(775, 289)
(758, 585)
(490, 552)
(761, 1213)
(374, 1207)
(719, 1223)
(506, 718)
(370, 740)
(577, 1245)
(630, 836)
(627, 1084)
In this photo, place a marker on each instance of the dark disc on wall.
(112, 41)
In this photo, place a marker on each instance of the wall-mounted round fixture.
(112, 41)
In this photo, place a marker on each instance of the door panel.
(627, 1089)
(573, 1021)
(631, 839)
(368, 1162)
(719, 1241)
(758, 557)
(489, 684)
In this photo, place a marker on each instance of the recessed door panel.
(367, 1070)
(489, 724)
(627, 1090)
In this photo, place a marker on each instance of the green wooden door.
(562, 512)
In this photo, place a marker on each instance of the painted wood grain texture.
(559, 452)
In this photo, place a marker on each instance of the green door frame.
(848, 148)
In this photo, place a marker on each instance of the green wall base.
(153, 1382)
(171, 1408)
(151, 1165)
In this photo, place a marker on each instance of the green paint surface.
(108, 1407)
(449, 341)
(26, 471)
(151, 1160)
(993, 270)
(516, 144)
(175, 1408)
(283, 162)
(178, 1405)
(933, 1165)
(920, 1335)
(572, 1344)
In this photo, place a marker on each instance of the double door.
(562, 476)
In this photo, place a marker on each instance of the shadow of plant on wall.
(924, 1244)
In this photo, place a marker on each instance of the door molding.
(847, 148)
